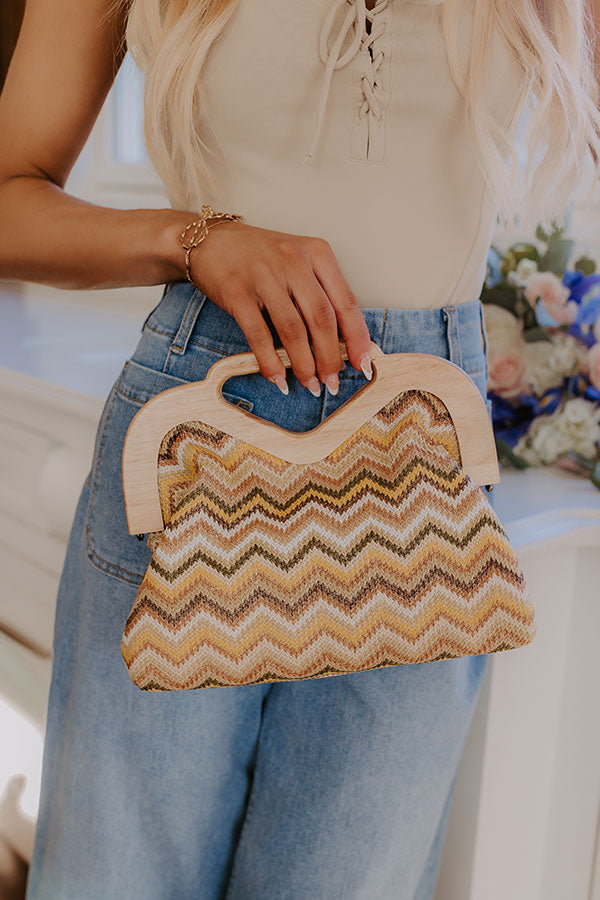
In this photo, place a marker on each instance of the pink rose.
(507, 370)
(548, 287)
(593, 362)
(565, 314)
(554, 296)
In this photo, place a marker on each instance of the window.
(114, 169)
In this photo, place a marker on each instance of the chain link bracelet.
(199, 230)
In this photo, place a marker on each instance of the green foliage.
(508, 457)
(535, 333)
(509, 262)
(592, 466)
(558, 250)
(525, 251)
(502, 294)
(585, 265)
(556, 257)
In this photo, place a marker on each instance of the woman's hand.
(245, 270)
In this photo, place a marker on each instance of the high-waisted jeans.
(333, 788)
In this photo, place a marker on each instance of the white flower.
(593, 365)
(549, 363)
(544, 442)
(501, 325)
(526, 268)
(576, 426)
(514, 279)
(577, 412)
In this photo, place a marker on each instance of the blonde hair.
(552, 40)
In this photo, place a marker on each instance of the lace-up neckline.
(356, 17)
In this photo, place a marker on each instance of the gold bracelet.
(200, 230)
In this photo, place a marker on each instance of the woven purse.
(278, 555)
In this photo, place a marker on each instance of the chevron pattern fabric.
(384, 553)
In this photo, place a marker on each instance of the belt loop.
(452, 333)
(195, 304)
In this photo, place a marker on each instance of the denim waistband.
(186, 315)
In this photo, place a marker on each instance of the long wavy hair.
(552, 40)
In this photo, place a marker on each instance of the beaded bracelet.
(200, 230)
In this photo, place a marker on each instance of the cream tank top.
(325, 127)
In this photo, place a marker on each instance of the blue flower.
(512, 419)
(580, 284)
(589, 311)
(494, 261)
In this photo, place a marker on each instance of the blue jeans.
(327, 789)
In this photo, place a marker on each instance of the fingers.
(298, 281)
(309, 327)
(256, 331)
(293, 333)
(346, 307)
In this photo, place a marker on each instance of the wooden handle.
(202, 401)
(247, 363)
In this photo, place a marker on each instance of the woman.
(369, 151)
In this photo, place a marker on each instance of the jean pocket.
(109, 546)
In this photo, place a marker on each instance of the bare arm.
(64, 63)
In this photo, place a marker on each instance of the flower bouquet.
(543, 326)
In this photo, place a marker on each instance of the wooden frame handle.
(247, 363)
(202, 401)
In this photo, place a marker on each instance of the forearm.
(51, 237)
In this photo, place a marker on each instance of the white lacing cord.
(356, 16)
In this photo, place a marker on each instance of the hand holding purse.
(278, 555)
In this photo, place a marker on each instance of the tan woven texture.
(383, 553)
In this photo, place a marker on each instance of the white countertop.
(64, 343)
(544, 504)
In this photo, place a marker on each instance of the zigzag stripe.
(440, 637)
(444, 589)
(438, 644)
(320, 615)
(292, 543)
(372, 541)
(399, 645)
(395, 490)
(314, 523)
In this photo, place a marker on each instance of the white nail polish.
(332, 384)
(281, 383)
(365, 364)
(314, 386)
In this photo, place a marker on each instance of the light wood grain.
(202, 401)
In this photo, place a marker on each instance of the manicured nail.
(314, 386)
(343, 366)
(333, 384)
(281, 383)
(365, 364)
